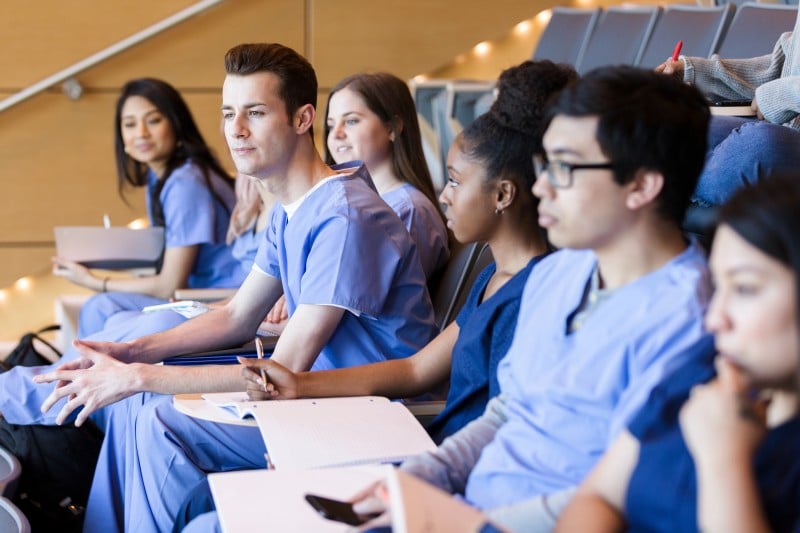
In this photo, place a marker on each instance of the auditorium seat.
(619, 37)
(700, 28)
(425, 92)
(11, 518)
(484, 103)
(463, 100)
(455, 281)
(755, 29)
(565, 37)
(10, 471)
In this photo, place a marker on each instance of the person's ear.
(395, 128)
(304, 118)
(644, 189)
(505, 193)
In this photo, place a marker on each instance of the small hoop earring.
(498, 211)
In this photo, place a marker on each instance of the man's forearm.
(187, 379)
(211, 331)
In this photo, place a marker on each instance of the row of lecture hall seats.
(11, 518)
(590, 38)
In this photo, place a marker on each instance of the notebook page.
(274, 500)
(234, 402)
(338, 431)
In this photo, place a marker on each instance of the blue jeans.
(742, 151)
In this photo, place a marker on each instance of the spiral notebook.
(325, 432)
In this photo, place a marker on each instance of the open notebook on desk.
(325, 432)
(110, 248)
(260, 500)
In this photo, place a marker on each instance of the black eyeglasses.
(559, 173)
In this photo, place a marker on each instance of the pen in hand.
(677, 51)
(260, 354)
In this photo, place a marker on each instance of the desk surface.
(194, 405)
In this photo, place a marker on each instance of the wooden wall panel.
(40, 38)
(44, 37)
(21, 261)
(404, 37)
(59, 169)
(64, 164)
(191, 55)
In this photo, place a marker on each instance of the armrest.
(425, 411)
(204, 295)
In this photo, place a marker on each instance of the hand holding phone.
(336, 510)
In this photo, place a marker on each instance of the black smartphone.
(731, 103)
(335, 510)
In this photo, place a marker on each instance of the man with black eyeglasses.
(604, 319)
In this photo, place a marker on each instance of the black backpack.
(57, 461)
(25, 353)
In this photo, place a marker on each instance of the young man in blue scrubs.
(354, 288)
(603, 319)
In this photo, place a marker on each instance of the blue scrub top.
(343, 246)
(662, 492)
(569, 394)
(424, 223)
(485, 332)
(245, 247)
(192, 216)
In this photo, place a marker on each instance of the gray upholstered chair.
(565, 37)
(619, 37)
(755, 29)
(700, 28)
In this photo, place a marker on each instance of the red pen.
(677, 51)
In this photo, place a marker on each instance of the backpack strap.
(37, 336)
(51, 327)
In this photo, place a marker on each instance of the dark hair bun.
(523, 93)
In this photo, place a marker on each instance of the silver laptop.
(110, 248)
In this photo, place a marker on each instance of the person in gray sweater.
(745, 150)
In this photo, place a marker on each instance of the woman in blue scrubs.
(372, 118)
(158, 146)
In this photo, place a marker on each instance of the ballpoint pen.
(260, 354)
(677, 51)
